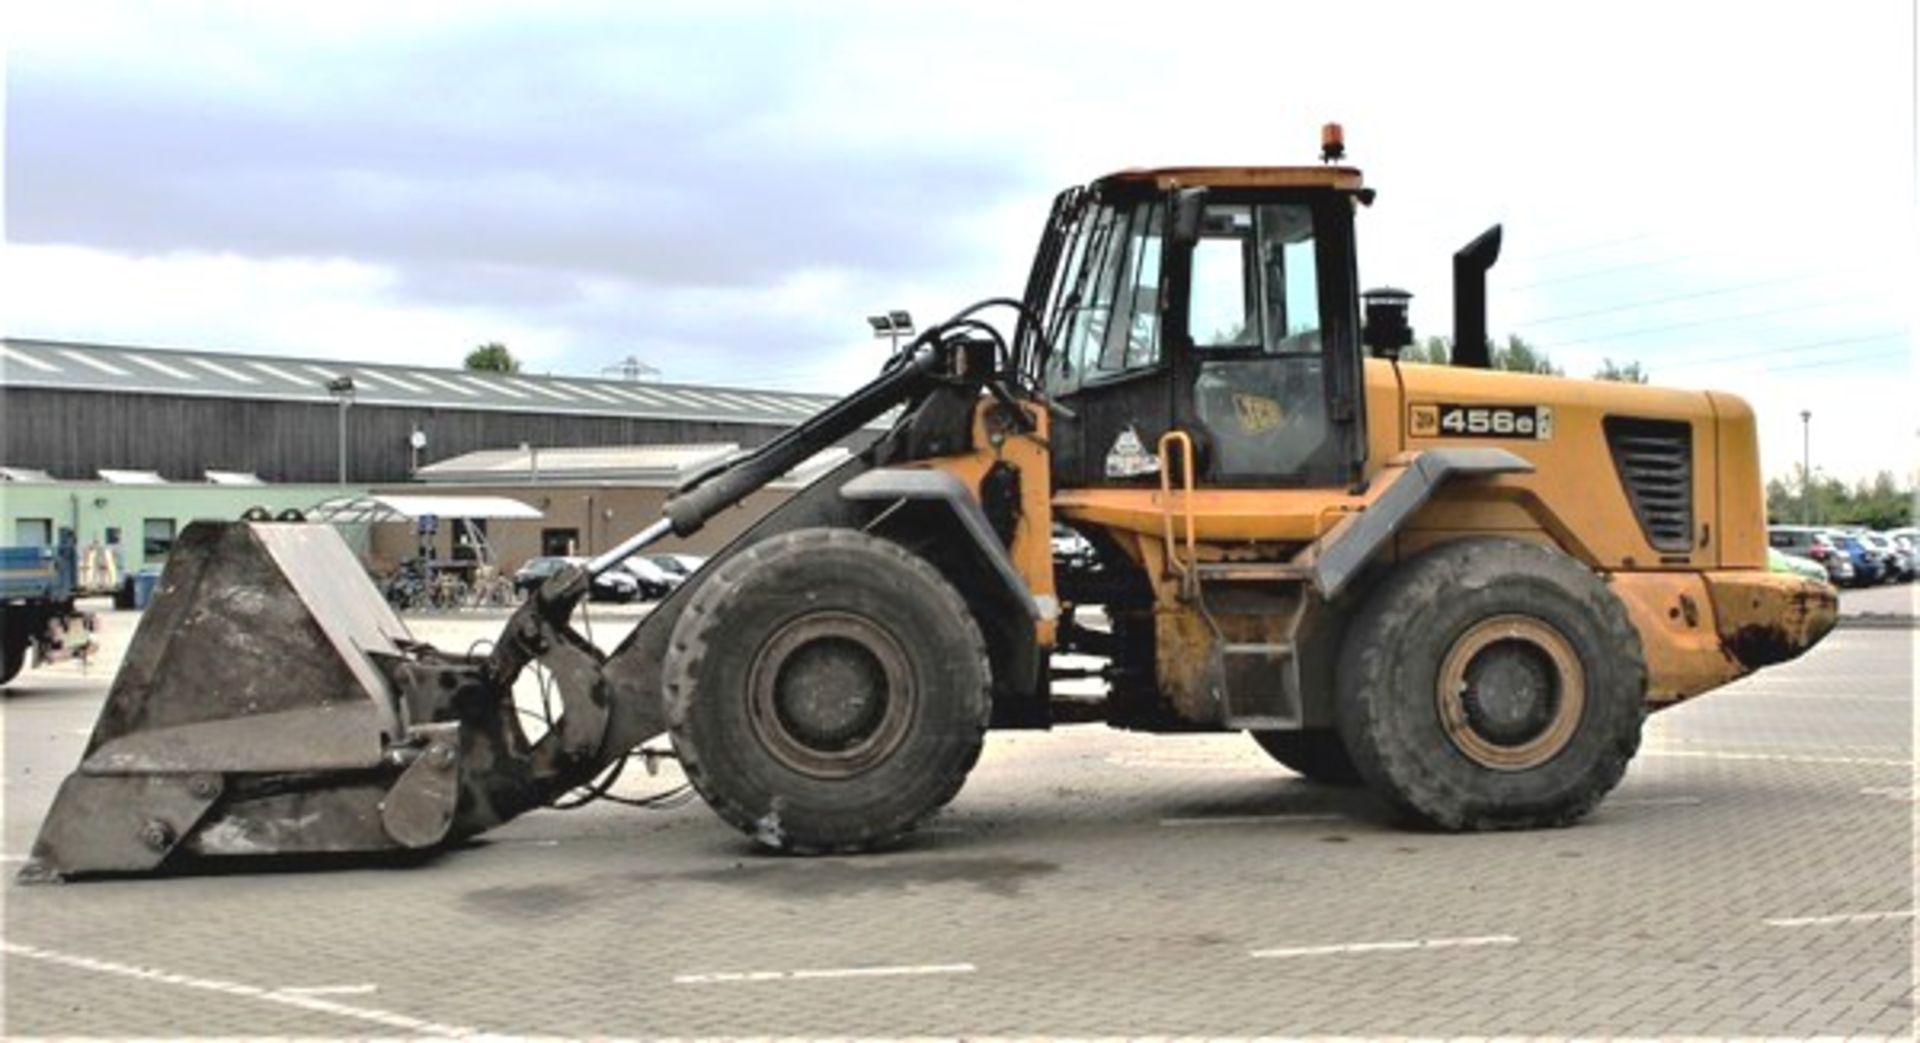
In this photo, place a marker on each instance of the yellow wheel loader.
(1463, 588)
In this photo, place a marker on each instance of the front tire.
(826, 691)
(1492, 684)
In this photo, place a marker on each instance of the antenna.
(632, 369)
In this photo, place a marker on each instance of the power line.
(1597, 272)
(1645, 330)
(1839, 362)
(1810, 345)
(1696, 295)
(1584, 248)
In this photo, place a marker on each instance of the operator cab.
(1215, 301)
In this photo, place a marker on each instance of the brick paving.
(1057, 878)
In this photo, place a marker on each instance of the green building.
(133, 520)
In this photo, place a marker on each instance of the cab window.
(1255, 284)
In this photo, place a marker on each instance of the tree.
(1437, 351)
(492, 357)
(1624, 372)
(1515, 356)
(1879, 504)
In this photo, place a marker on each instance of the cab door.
(1266, 373)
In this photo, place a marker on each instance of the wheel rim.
(1511, 692)
(831, 695)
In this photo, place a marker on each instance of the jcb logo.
(1424, 421)
(1257, 414)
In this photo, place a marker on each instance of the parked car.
(1816, 545)
(1899, 555)
(1884, 550)
(1909, 542)
(1069, 545)
(651, 579)
(681, 565)
(1780, 561)
(1869, 565)
(612, 585)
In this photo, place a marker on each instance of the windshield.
(1103, 318)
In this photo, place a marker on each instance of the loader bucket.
(270, 702)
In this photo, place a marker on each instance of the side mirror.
(1189, 205)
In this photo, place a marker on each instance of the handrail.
(1186, 498)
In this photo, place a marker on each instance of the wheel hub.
(831, 695)
(1510, 693)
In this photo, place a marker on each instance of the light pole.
(341, 388)
(892, 325)
(1806, 466)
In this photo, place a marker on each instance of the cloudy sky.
(1721, 191)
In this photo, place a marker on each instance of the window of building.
(558, 543)
(156, 538)
(33, 532)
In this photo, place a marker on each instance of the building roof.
(164, 371)
(378, 507)
(658, 465)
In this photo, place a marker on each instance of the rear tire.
(826, 691)
(1316, 753)
(1492, 684)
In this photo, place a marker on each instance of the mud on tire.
(1491, 684)
(826, 691)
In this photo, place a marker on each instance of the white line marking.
(1818, 921)
(100, 364)
(1248, 820)
(279, 374)
(1403, 946)
(218, 370)
(160, 367)
(1785, 758)
(1905, 794)
(229, 988)
(9, 353)
(582, 389)
(842, 972)
(542, 389)
(633, 396)
(326, 990)
(391, 379)
(428, 378)
(12, 858)
(1653, 802)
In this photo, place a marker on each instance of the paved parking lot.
(1753, 875)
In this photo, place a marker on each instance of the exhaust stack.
(1470, 266)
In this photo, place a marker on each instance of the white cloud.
(331, 309)
(1713, 189)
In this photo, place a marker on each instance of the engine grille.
(1655, 461)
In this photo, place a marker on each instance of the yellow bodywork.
(1705, 615)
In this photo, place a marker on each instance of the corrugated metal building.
(74, 409)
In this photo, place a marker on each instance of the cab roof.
(1167, 178)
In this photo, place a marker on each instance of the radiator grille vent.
(1655, 461)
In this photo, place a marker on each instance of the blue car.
(1869, 565)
